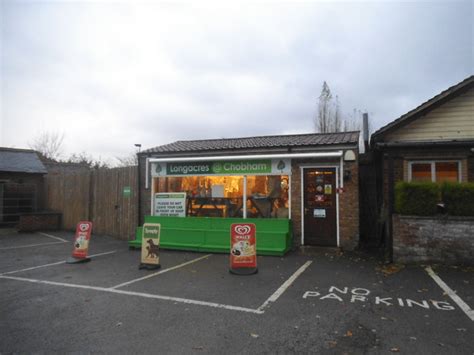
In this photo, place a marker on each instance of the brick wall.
(42, 221)
(443, 240)
(349, 208)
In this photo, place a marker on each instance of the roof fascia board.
(332, 154)
(422, 110)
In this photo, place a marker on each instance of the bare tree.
(49, 144)
(323, 120)
(329, 118)
(129, 160)
(87, 160)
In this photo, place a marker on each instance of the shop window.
(267, 196)
(207, 196)
(435, 171)
(223, 196)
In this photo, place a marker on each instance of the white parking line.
(285, 285)
(30, 245)
(160, 272)
(52, 264)
(464, 307)
(139, 294)
(54, 237)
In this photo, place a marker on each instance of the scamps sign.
(243, 248)
(233, 167)
(150, 256)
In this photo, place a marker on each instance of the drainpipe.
(390, 204)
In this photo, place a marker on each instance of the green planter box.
(208, 234)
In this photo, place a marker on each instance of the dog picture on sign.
(150, 251)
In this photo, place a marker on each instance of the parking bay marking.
(52, 264)
(464, 307)
(114, 289)
(161, 272)
(53, 237)
(285, 285)
(139, 294)
(30, 245)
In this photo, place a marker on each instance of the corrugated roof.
(425, 107)
(296, 140)
(20, 161)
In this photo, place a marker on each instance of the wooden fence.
(106, 197)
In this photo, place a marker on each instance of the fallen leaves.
(390, 269)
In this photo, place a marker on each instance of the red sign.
(81, 241)
(243, 246)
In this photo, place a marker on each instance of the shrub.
(458, 198)
(416, 198)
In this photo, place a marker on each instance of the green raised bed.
(208, 234)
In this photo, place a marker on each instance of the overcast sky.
(108, 75)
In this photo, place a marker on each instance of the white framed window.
(434, 170)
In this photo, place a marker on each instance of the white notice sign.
(172, 204)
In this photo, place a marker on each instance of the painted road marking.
(463, 305)
(52, 264)
(54, 237)
(285, 285)
(161, 272)
(139, 294)
(30, 245)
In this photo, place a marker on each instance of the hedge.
(416, 198)
(458, 198)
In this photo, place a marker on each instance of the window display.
(223, 196)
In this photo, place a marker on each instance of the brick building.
(310, 180)
(433, 142)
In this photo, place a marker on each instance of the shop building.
(304, 186)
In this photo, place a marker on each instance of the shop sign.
(170, 204)
(127, 191)
(81, 240)
(243, 247)
(231, 167)
(150, 245)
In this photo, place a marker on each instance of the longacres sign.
(237, 167)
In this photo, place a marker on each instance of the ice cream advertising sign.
(81, 240)
(243, 248)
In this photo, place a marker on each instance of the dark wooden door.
(320, 210)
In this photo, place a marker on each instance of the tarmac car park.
(300, 303)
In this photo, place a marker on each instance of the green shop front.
(196, 196)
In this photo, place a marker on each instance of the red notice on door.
(243, 248)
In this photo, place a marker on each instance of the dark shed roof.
(286, 141)
(20, 161)
(425, 107)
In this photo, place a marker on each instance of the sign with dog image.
(243, 248)
(81, 243)
(150, 257)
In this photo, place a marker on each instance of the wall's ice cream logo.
(281, 165)
(83, 227)
(158, 168)
(242, 229)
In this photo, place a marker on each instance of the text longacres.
(363, 295)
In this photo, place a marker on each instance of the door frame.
(319, 166)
